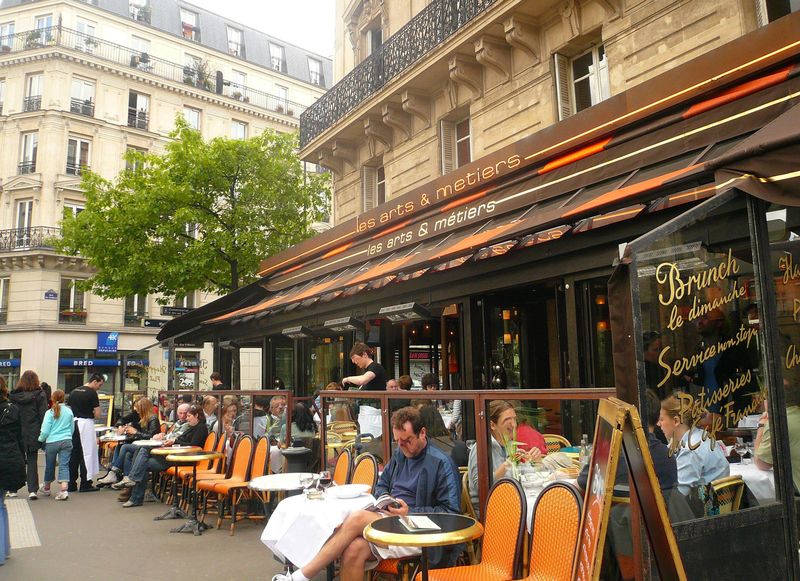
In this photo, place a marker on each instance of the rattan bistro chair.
(554, 532)
(729, 492)
(554, 442)
(343, 467)
(504, 527)
(365, 471)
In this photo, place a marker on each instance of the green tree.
(199, 217)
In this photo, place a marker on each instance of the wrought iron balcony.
(32, 103)
(436, 23)
(82, 107)
(137, 119)
(76, 169)
(36, 237)
(26, 167)
(142, 61)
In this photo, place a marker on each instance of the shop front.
(10, 361)
(646, 244)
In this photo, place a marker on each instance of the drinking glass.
(306, 480)
(750, 452)
(325, 479)
(740, 448)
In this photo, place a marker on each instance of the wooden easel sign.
(619, 429)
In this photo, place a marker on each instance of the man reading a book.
(419, 476)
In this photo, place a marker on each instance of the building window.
(2, 94)
(239, 86)
(30, 146)
(134, 160)
(71, 307)
(192, 117)
(44, 28)
(6, 35)
(581, 81)
(139, 10)
(140, 53)
(138, 107)
(82, 97)
(77, 155)
(238, 129)
(277, 57)
(85, 40)
(73, 208)
(185, 302)
(282, 103)
(235, 42)
(33, 92)
(374, 38)
(5, 283)
(373, 186)
(315, 71)
(135, 310)
(456, 144)
(190, 25)
(24, 221)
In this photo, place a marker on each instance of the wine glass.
(740, 448)
(306, 480)
(325, 479)
(750, 452)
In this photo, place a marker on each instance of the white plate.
(348, 490)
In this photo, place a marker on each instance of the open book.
(383, 502)
(417, 523)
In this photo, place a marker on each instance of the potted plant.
(5, 48)
(279, 108)
(33, 39)
(236, 95)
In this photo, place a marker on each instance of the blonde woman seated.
(503, 426)
(303, 426)
(698, 462)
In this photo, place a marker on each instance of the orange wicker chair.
(504, 527)
(365, 471)
(232, 491)
(344, 465)
(554, 442)
(182, 471)
(554, 537)
(238, 473)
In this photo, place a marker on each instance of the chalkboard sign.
(619, 429)
(106, 410)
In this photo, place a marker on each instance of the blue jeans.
(62, 450)
(154, 464)
(5, 539)
(123, 457)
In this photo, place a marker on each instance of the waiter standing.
(85, 405)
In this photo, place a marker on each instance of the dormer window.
(235, 42)
(277, 57)
(190, 25)
(139, 10)
(315, 71)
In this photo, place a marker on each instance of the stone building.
(81, 83)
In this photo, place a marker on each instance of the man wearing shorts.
(423, 480)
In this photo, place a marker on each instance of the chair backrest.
(365, 471)
(344, 462)
(242, 457)
(208, 446)
(466, 499)
(346, 427)
(504, 527)
(260, 464)
(729, 492)
(554, 532)
(554, 442)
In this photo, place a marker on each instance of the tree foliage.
(199, 217)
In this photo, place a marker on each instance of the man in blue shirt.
(423, 480)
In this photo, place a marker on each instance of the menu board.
(106, 410)
(619, 436)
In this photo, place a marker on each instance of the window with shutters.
(373, 186)
(456, 144)
(581, 81)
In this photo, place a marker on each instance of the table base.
(173, 513)
(191, 526)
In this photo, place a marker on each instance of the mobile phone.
(395, 505)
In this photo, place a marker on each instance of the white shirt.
(701, 465)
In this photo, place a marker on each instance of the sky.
(307, 23)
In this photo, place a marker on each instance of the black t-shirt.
(378, 382)
(82, 401)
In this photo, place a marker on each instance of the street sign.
(175, 311)
(155, 322)
(50, 295)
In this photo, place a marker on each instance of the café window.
(76, 366)
(282, 362)
(5, 285)
(699, 347)
(9, 368)
(71, 306)
(325, 361)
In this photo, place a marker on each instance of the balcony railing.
(142, 61)
(82, 107)
(76, 169)
(137, 119)
(26, 167)
(437, 22)
(32, 103)
(28, 238)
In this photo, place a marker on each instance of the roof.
(214, 35)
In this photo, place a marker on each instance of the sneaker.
(282, 577)
(111, 478)
(131, 504)
(63, 495)
(43, 491)
(11, 494)
(32, 496)
(127, 482)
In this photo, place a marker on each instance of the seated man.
(763, 443)
(419, 476)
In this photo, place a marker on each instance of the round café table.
(455, 528)
(263, 486)
(167, 451)
(193, 525)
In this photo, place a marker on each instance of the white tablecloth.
(299, 527)
(760, 482)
